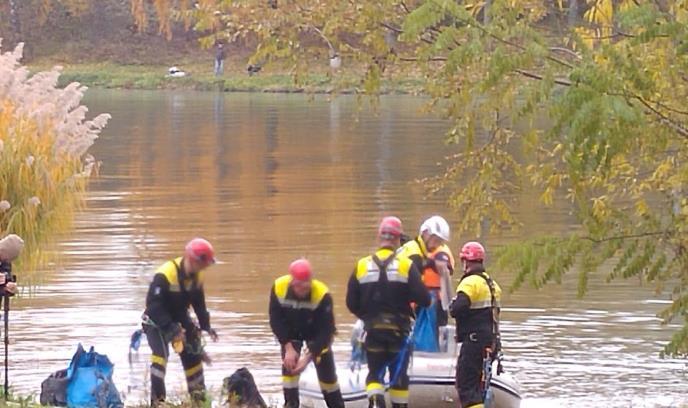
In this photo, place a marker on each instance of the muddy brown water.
(268, 178)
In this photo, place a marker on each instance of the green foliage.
(21, 401)
(591, 116)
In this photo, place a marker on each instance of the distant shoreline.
(235, 79)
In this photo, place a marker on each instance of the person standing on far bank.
(220, 56)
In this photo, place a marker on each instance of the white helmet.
(436, 225)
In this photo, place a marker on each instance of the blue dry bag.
(425, 330)
(90, 381)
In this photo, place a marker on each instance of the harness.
(195, 346)
(494, 350)
(407, 348)
(421, 246)
(493, 305)
(380, 285)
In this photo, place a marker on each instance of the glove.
(498, 347)
(213, 334)
(206, 359)
(451, 307)
(178, 339)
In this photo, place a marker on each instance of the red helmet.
(301, 270)
(390, 226)
(200, 250)
(472, 251)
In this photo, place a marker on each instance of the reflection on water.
(268, 178)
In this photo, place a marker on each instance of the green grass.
(31, 401)
(200, 77)
(14, 400)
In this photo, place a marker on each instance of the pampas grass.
(44, 165)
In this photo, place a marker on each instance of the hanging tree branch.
(513, 44)
(629, 236)
(563, 82)
(677, 127)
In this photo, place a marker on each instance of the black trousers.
(327, 376)
(469, 369)
(382, 350)
(442, 315)
(191, 361)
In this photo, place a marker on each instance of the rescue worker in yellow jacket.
(301, 312)
(433, 258)
(379, 293)
(178, 285)
(476, 310)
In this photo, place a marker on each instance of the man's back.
(373, 293)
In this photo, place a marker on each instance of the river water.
(269, 178)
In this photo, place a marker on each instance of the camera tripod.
(6, 310)
(6, 269)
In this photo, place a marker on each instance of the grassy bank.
(235, 79)
(19, 401)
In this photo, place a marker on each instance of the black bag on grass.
(241, 390)
(54, 389)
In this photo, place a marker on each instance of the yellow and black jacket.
(310, 320)
(476, 304)
(424, 260)
(382, 300)
(170, 295)
(417, 252)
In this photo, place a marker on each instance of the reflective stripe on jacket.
(310, 320)
(171, 293)
(475, 315)
(383, 300)
(416, 250)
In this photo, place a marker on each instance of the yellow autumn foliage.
(44, 165)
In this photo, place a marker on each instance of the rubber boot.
(198, 398)
(334, 399)
(157, 403)
(376, 401)
(291, 398)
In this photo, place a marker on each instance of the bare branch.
(618, 33)
(392, 28)
(677, 127)
(667, 107)
(513, 44)
(629, 236)
(320, 33)
(413, 59)
(532, 75)
(566, 51)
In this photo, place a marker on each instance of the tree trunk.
(14, 21)
(486, 12)
(573, 13)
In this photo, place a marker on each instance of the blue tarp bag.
(424, 332)
(358, 355)
(90, 381)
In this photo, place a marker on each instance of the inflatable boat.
(431, 381)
